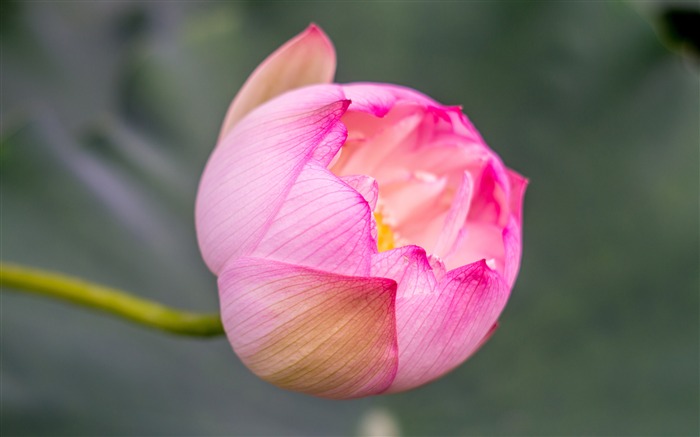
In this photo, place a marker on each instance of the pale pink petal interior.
(456, 217)
(477, 241)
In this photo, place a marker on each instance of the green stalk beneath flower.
(110, 300)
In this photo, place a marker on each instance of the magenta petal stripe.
(304, 330)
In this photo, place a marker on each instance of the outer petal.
(315, 332)
(484, 236)
(439, 329)
(248, 177)
(518, 185)
(323, 224)
(512, 239)
(306, 59)
(409, 267)
(512, 243)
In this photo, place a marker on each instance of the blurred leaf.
(682, 26)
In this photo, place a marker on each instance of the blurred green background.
(109, 112)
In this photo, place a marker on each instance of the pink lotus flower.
(364, 236)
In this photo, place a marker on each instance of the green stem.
(110, 300)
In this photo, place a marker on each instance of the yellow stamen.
(385, 236)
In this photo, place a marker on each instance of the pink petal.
(409, 267)
(477, 241)
(248, 177)
(438, 267)
(518, 185)
(366, 186)
(512, 243)
(306, 59)
(485, 237)
(512, 238)
(406, 202)
(379, 98)
(319, 333)
(437, 331)
(456, 217)
(445, 155)
(324, 224)
(491, 195)
(464, 127)
(382, 140)
(425, 228)
(370, 98)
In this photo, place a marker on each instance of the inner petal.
(416, 198)
(477, 241)
(428, 171)
(365, 154)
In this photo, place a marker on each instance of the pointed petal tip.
(306, 59)
(484, 269)
(517, 178)
(482, 264)
(487, 269)
(315, 33)
(314, 28)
